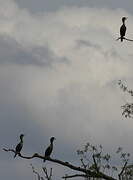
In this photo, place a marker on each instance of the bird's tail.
(121, 38)
(44, 160)
(15, 154)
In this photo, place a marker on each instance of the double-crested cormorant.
(19, 146)
(123, 29)
(49, 148)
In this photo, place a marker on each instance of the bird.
(49, 149)
(123, 29)
(19, 146)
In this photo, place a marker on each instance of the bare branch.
(36, 173)
(88, 172)
(24, 157)
(95, 163)
(11, 150)
(48, 177)
(83, 164)
(75, 175)
(128, 39)
(125, 39)
(51, 172)
(120, 174)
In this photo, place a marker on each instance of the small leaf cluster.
(127, 109)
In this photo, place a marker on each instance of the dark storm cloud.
(12, 52)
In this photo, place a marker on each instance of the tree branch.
(75, 175)
(36, 173)
(19, 154)
(124, 38)
(48, 177)
(87, 172)
(83, 164)
(119, 175)
(95, 163)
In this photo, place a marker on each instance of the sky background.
(59, 68)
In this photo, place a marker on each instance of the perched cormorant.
(49, 148)
(123, 29)
(19, 146)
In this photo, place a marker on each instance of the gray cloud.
(76, 103)
(12, 52)
(40, 6)
(87, 43)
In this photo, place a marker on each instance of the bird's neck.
(123, 22)
(21, 140)
(51, 144)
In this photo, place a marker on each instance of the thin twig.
(96, 167)
(36, 173)
(83, 164)
(48, 177)
(119, 175)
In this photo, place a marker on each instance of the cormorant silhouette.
(19, 146)
(49, 149)
(123, 29)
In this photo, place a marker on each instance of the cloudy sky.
(59, 68)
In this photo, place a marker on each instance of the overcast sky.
(59, 68)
